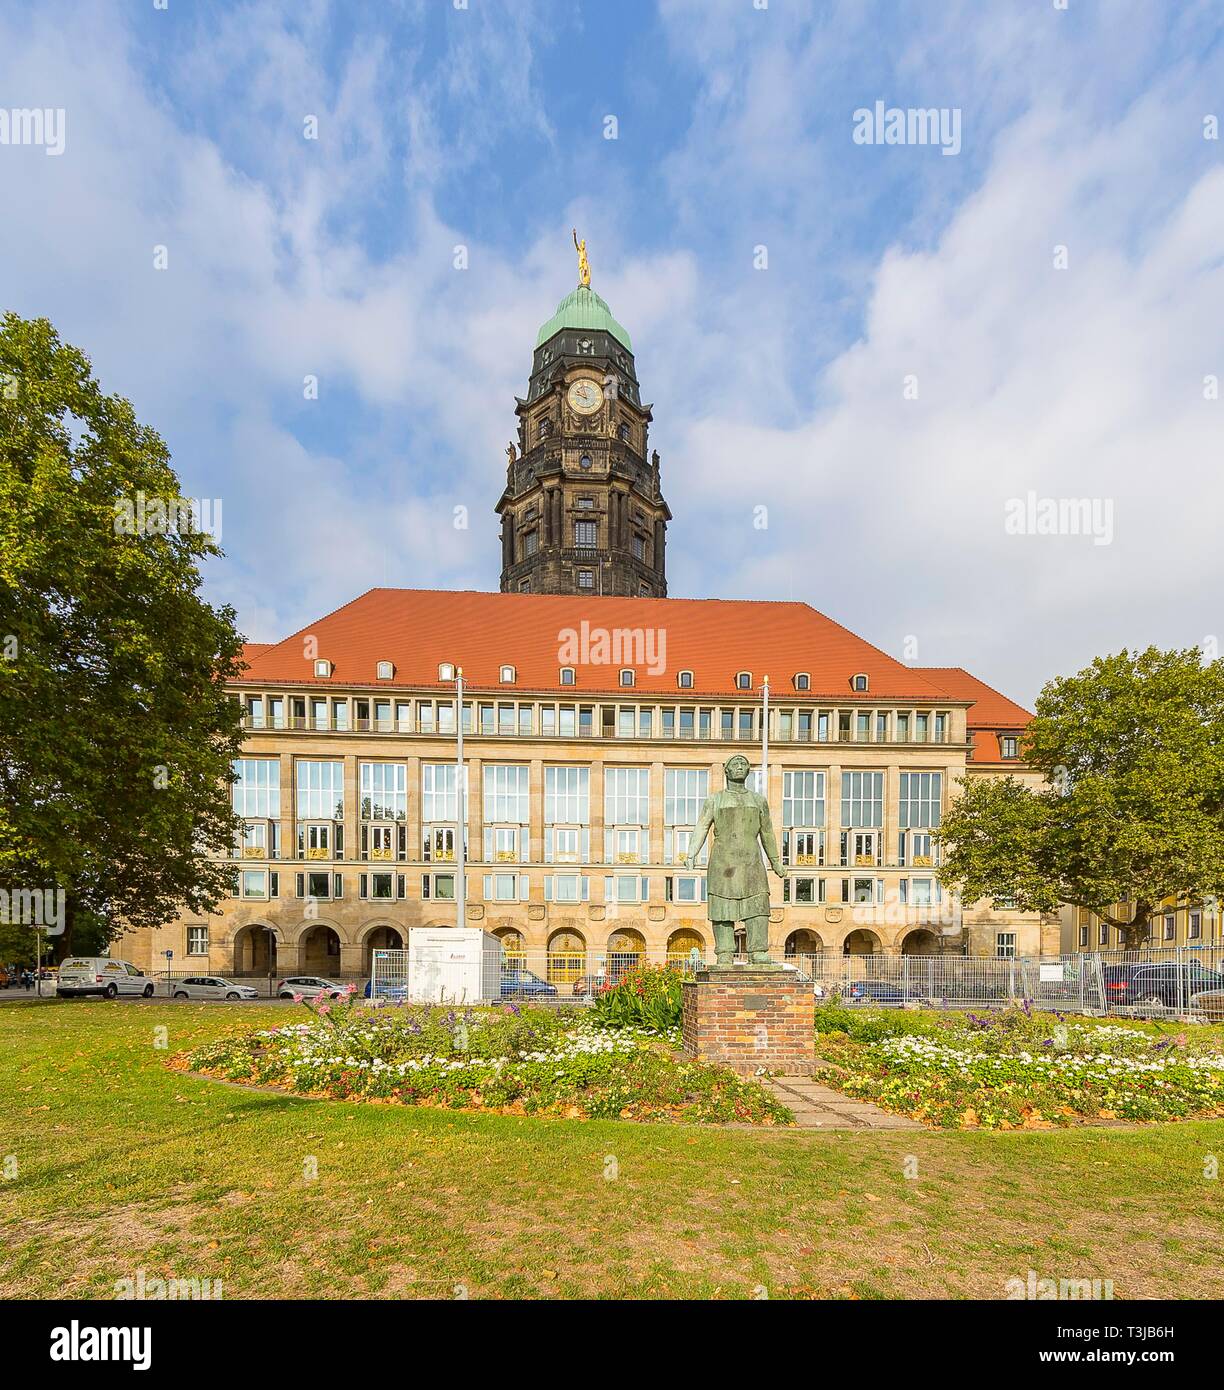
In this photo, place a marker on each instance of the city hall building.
(596, 715)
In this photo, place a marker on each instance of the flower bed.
(522, 1060)
(1021, 1069)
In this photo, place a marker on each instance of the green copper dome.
(583, 308)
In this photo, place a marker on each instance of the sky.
(960, 396)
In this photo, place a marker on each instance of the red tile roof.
(714, 638)
(990, 711)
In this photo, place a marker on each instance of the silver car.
(210, 987)
(309, 987)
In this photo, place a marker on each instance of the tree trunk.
(1135, 933)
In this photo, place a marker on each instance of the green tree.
(116, 732)
(1132, 814)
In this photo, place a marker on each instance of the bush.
(649, 997)
(869, 1025)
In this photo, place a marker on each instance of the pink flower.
(297, 998)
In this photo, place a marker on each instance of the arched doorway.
(626, 951)
(566, 957)
(514, 948)
(255, 950)
(680, 947)
(920, 942)
(803, 943)
(321, 952)
(381, 939)
(861, 942)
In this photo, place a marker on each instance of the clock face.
(585, 396)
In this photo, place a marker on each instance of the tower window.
(524, 586)
(685, 680)
(586, 503)
(624, 432)
(531, 542)
(586, 345)
(585, 533)
(567, 675)
(545, 428)
(626, 677)
(639, 548)
(743, 680)
(584, 461)
(586, 579)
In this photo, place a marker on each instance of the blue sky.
(783, 388)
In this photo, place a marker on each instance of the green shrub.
(870, 1025)
(649, 997)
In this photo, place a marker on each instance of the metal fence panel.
(1152, 983)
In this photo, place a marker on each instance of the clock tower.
(583, 511)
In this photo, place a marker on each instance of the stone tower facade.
(583, 510)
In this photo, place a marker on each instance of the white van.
(101, 975)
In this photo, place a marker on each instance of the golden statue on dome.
(584, 266)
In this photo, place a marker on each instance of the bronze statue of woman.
(736, 887)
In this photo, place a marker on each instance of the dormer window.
(323, 668)
(386, 669)
(567, 675)
(626, 676)
(446, 671)
(685, 680)
(803, 681)
(743, 680)
(507, 676)
(858, 682)
(1007, 745)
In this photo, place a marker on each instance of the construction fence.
(1149, 984)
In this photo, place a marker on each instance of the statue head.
(737, 768)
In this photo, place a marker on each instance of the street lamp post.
(461, 811)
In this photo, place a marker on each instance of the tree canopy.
(116, 732)
(1132, 813)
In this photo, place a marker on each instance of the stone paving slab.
(817, 1106)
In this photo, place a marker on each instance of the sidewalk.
(816, 1106)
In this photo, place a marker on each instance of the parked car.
(309, 987)
(210, 987)
(1165, 983)
(1209, 1002)
(525, 984)
(876, 992)
(101, 975)
(394, 994)
(817, 988)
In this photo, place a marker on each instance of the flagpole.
(461, 812)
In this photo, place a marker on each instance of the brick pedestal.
(750, 1018)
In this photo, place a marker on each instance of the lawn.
(124, 1165)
